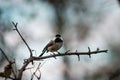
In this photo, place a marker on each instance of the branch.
(33, 58)
(10, 62)
(34, 73)
(5, 55)
(15, 25)
(55, 55)
(69, 54)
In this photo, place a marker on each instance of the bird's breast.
(55, 47)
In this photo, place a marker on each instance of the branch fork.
(18, 75)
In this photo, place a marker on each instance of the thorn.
(25, 60)
(67, 51)
(34, 51)
(78, 57)
(54, 56)
(97, 49)
(106, 51)
(89, 51)
(15, 24)
(76, 51)
(89, 55)
(29, 68)
(59, 53)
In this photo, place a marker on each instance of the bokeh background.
(82, 23)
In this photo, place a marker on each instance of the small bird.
(53, 45)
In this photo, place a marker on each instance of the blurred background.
(82, 23)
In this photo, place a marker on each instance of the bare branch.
(5, 55)
(23, 68)
(40, 58)
(34, 74)
(69, 54)
(55, 55)
(10, 62)
(15, 25)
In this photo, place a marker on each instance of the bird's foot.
(54, 54)
(58, 52)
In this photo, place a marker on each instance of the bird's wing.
(45, 48)
(49, 44)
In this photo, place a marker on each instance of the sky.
(36, 23)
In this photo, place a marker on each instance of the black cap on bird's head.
(57, 35)
(58, 38)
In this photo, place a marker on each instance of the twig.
(89, 52)
(15, 67)
(69, 54)
(78, 56)
(10, 62)
(56, 55)
(23, 68)
(33, 58)
(29, 68)
(15, 25)
(34, 74)
(5, 55)
(67, 51)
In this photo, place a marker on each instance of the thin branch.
(10, 62)
(34, 74)
(55, 55)
(69, 54)
(29, 68)
(33, 58)
(15, 66)
(5, 55)
(15, 25)
(67, 51)
(23, 68)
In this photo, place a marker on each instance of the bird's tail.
(42, 52)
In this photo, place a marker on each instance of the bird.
(53, 45)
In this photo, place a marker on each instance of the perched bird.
(53, 45)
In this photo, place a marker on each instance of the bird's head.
(57, 35)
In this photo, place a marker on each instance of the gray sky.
(36, 21)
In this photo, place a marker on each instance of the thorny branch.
(69, 54)
(34, 58)
(56, 55)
